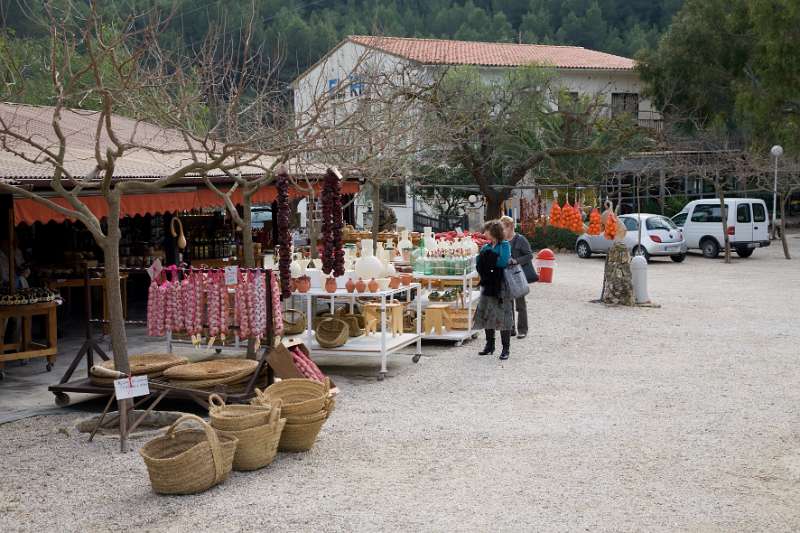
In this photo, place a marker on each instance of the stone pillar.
(617, 281)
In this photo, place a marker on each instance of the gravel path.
(681, 418)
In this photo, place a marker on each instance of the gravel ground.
(680, 418)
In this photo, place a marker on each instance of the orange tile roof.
(444, 52)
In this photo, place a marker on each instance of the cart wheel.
(62, 399)
(218, 350)
(416, 357)
(381, 376)
(49, 366)
(459, 343)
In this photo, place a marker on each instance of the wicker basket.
(258, 445)
(457, 318)
(148, 363)
(319, 318)
(300, 437)
(236, 417)
(332, 333)
(190, 460)
(244, 375)
(355, 326)
(294, 322)
(213, 369)
(300, 396)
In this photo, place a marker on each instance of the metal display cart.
(470, 297)
(381, 344)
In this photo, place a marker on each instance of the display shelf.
(459, 336)
(380, 344)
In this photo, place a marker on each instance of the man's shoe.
(522, 335)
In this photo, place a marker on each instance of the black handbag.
(530, 273)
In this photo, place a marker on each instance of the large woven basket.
(189, 460)
(242, 376)
(355, 326)
(148, 363)
(300, 396)
(294, 322)
(332, 333)
(213, 369)
(300, 437)
(236, 417)
(258, 445)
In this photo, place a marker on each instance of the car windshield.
(679, 219)
(656, 223)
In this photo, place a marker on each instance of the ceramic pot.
(368, 266)
(360, 285)
(372, 285)
(330, 284)
(350, 286)
(383, 284)
(302, 284)
(406, 279)
(394, 282)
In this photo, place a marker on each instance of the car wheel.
(744, 253)
(583, 250)
(641, 250)
(710, 248)
(678, 258)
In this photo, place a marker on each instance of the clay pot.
(394, 282)
(330, 284)
(302, 284)
(406, 279)
(361, 286)
(372, 285)
(350, 286)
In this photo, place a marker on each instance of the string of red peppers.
(284, 236)
(332, 224)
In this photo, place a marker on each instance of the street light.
(777, 152)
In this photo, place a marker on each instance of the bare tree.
(126, 72)
(788, 184)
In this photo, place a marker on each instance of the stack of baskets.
(152, 365)
(190, 460)
(208, 374)
(258, 429)
(306, 406)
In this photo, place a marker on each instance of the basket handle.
(211, 436)
(260, 398)
(275, 411)
(215, 402)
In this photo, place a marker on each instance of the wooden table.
(73, 283)
(24, 347)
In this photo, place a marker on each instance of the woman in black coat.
(495, 308)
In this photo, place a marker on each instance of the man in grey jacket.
(522, 254)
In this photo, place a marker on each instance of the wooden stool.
(435, 318)
(394, 317)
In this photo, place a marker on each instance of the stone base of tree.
(617, 281)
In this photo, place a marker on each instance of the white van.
(747, 222)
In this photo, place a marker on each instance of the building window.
(394, 193)
(335, 89)
(624, 103)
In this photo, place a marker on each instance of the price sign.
(231, 275)
(131, 387)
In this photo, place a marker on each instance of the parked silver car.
(660, 237)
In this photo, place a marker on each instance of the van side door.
(760, 223)
(744, 223)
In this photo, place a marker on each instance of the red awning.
(27, 211)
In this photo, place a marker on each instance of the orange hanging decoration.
(611, 227)
(555, 215)
(594, 222)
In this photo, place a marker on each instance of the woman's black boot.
(505, 337)
(489, 348)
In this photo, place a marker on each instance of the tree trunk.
(376, 215)
(249, 259)
(494, 204)
(723, 217)
(784, 242)
(116, 317)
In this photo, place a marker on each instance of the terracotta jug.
(373, 285)
(394, 282)
(406, 279)
(303, 283)
(330, 284)
(360, 285)
(350, 285)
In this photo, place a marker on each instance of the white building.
(579, 70)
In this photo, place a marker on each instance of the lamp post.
(777, 152)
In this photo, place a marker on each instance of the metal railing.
(439, 224)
